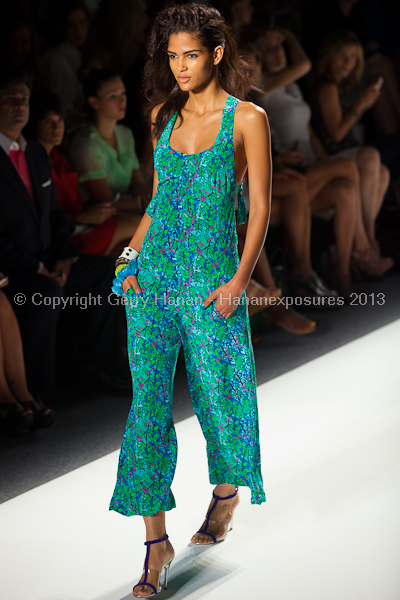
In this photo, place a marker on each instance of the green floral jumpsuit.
(189, 250)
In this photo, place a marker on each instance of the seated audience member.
(241, 16)
(61, 64)
(19, 47)
(97, 228)
(119, 34)
(338, 70)
(333, 183)
(18, 408)
(102, 152)
(377, 26)
(291, 198)
(43, 263)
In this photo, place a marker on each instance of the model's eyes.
(189, 55)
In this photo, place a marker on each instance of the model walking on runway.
(184, 283)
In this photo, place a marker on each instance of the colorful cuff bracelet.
(122, 272)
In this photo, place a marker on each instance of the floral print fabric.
(188, 251)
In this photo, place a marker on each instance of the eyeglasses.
(15, 100)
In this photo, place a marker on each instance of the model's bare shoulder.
(251, 118)
(250, 115)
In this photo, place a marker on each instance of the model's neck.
(207, 99)
(105, 127)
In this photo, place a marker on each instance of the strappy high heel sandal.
(259, 296)
(146, 570)
(208, 522)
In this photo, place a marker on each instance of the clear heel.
(166, 573)
(214, 540)
(146, 571)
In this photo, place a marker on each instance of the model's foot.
(159, 554)
(220, 518)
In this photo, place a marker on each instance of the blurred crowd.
(76, 172)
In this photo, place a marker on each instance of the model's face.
(344, 62)
(50, 130)
(273, 52)
(18, 46)
(76, 28)
(192, 65)
(14, 107)
(110, 101)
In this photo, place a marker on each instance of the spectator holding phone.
(338, 71)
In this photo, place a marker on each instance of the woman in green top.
(103, 153)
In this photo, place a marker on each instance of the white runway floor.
(330, 529)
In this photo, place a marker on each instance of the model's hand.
(227, 298)
(132, 282)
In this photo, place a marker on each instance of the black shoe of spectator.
(42, 416)
(15, 420)
(313, 286)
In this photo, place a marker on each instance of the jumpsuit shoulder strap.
(229, 115)
(164, 137)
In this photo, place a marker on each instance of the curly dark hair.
(211, 29)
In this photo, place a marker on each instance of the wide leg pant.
(221, 374)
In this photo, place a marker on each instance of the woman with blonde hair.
(336, 110)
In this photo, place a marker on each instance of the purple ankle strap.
(156, 541)
(146, 562)
(226, 497)
(214, 539)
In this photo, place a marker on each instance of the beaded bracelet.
(122, 272)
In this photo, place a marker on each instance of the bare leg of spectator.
(374, 181)
(14, 366)
(320, 175)
(373, 205)
(291, 207)
(342, 195)
(280, 314)
(5, 392)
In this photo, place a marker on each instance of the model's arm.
(140, 233)
(255, 133)
(299, 65)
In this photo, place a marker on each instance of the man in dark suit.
(48, 277)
